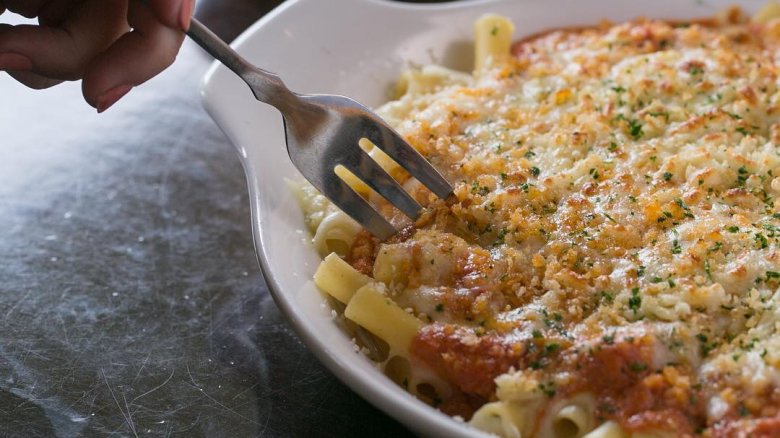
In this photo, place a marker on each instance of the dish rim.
(400, 405)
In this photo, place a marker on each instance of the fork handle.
(266, 86)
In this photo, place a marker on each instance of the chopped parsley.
(635, 301)
(742, 175)
(476, 188)
(686, 210)
(704, 345)
(667, 176)
(695, 70)
(500, 238)
(761, 241)
(734, 116)
(535, 171)
(548, 389)
(635, 129)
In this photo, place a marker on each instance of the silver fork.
(322, 131)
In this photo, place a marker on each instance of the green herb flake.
(761, 241)
(635, 301)
(635, 129)
(501, 237)
(734, 116)
(547, 389)
(742, 175)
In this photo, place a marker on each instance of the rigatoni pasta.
(609, 264)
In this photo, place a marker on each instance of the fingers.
(133, 59)
(173, 13)
(48, 51)
(88, 39)
(55, 12)
(27, 8)
(33, 80)
(63, 52)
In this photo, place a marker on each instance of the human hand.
(111, 45)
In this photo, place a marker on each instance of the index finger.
(173, 13)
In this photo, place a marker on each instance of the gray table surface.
(131, 303)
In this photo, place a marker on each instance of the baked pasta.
(609, 263)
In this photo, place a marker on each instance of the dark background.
(131, 303)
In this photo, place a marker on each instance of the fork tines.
(371, 173)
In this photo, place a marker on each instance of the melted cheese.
(609, 181)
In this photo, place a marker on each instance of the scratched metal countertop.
(131, 302)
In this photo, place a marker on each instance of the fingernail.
(110, 97)
(15, 62)
(185, 14)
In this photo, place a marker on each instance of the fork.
(323, 131)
